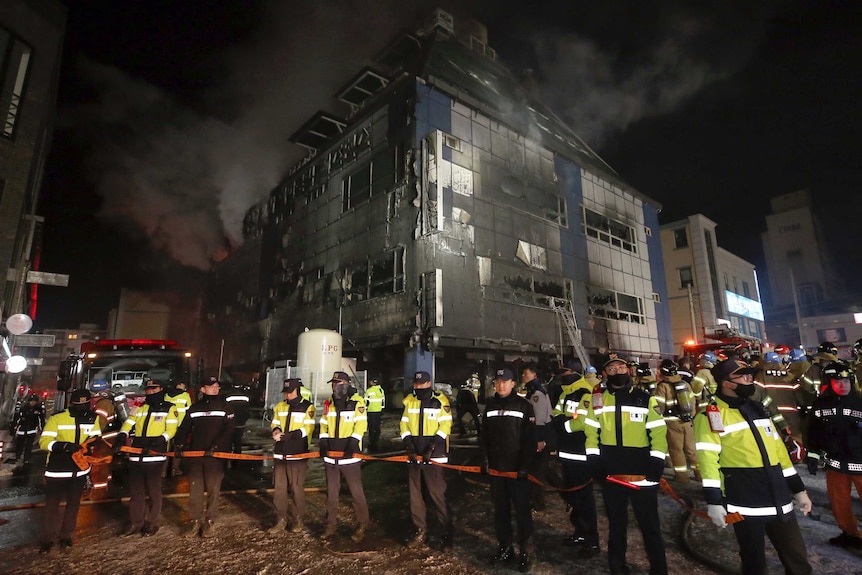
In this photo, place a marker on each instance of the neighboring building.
(439, 223)
(803, 279)
(708, 286)
(31, 42)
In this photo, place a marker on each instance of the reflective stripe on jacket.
(293, 416)
(63, 427)
(425, 419)
(375, 399)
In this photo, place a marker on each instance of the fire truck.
(725, 341)
(125, 364)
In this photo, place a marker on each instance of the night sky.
(173, 116)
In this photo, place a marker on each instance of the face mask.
(744, 390)
(423, 393)
(79, 408)
(155, 398)
(618, 380)
(339, 391)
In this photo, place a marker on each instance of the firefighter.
(684, 370)
(644, 379)
(292, 428)
(826, 353)
(375, 401)
(425, 427)
(239, 400)
(627, 444)
(569, 416)
(181, 399)
(835, 438)
(466, 403)
(153, 425)
(207, 427)
(703, 383)
(542, 408)
(342, 426)
(508, 445)
(104, 407)
(746, 470)
(591, 375)
(677, 404)
(784, 393)
(67, 469)
(856, 364)
(29, 421)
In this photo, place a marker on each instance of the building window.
(656, 297)
(73, 336)
(374, 177)
(387, 273)
(608, 230)
(680, 238)
(746, 290)
(14, 62)
(615, 305)
(685, 277)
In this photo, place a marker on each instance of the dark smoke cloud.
(184, 177)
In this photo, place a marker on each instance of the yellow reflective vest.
(151, 422)
(423, 420)
(338, 425)
(570, 414)
(289, 418)
(62, 427)
(746, 465)
(182, 401)
(375, 399)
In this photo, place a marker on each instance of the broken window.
(524, 193)
(615, 305)
(609, 230)
(387, 273)
(372, 178)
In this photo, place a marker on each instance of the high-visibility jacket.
(835, 432)
(338, 424)
(375, 399)
(426, 420)
(569, 416)
(154, 426)
(305, 394)
(746, 465)
(703, 383)
(30, 419)
(182, 401)
(291, 416)
(63, 427)
(627, 432)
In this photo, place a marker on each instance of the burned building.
(451, 220)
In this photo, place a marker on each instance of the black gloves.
(295, 434)
(428, 453)
(65, 447)
(351, 447)
(324, 447)
(522, 474)
(812, 465)
(410, 448)
(656, 467)
(119, 442)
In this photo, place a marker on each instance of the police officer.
(292, 428)
(342, 425)
(425, 427)
(568, 417)
(746, 470)
(28, 423)
(239, 400)
(375, 401)
(66, 471)
(542, 408)
(835, 438)
(627, 443)
(676, 403)
(572, 366)
(153, 425)
(508, 445)
(208, 427)
(179, 396)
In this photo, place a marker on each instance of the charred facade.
(439, 225)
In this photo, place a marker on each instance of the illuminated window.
(14, 62)
(73, 336)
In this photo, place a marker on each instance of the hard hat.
(772, 357)
(643, 370)
(668, 367)
(797, 354)
(591, 369)
(708, 358)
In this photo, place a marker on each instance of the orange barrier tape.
(731, 518)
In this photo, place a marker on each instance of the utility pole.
(691, 311)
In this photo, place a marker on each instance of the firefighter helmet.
(32, 397)
(708, 360)
(827, 347)
(668, 367)
(834, 372)
(643, 370)
(796, 354)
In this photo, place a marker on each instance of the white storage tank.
(318, 355)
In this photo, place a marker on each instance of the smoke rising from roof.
(185, 177)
